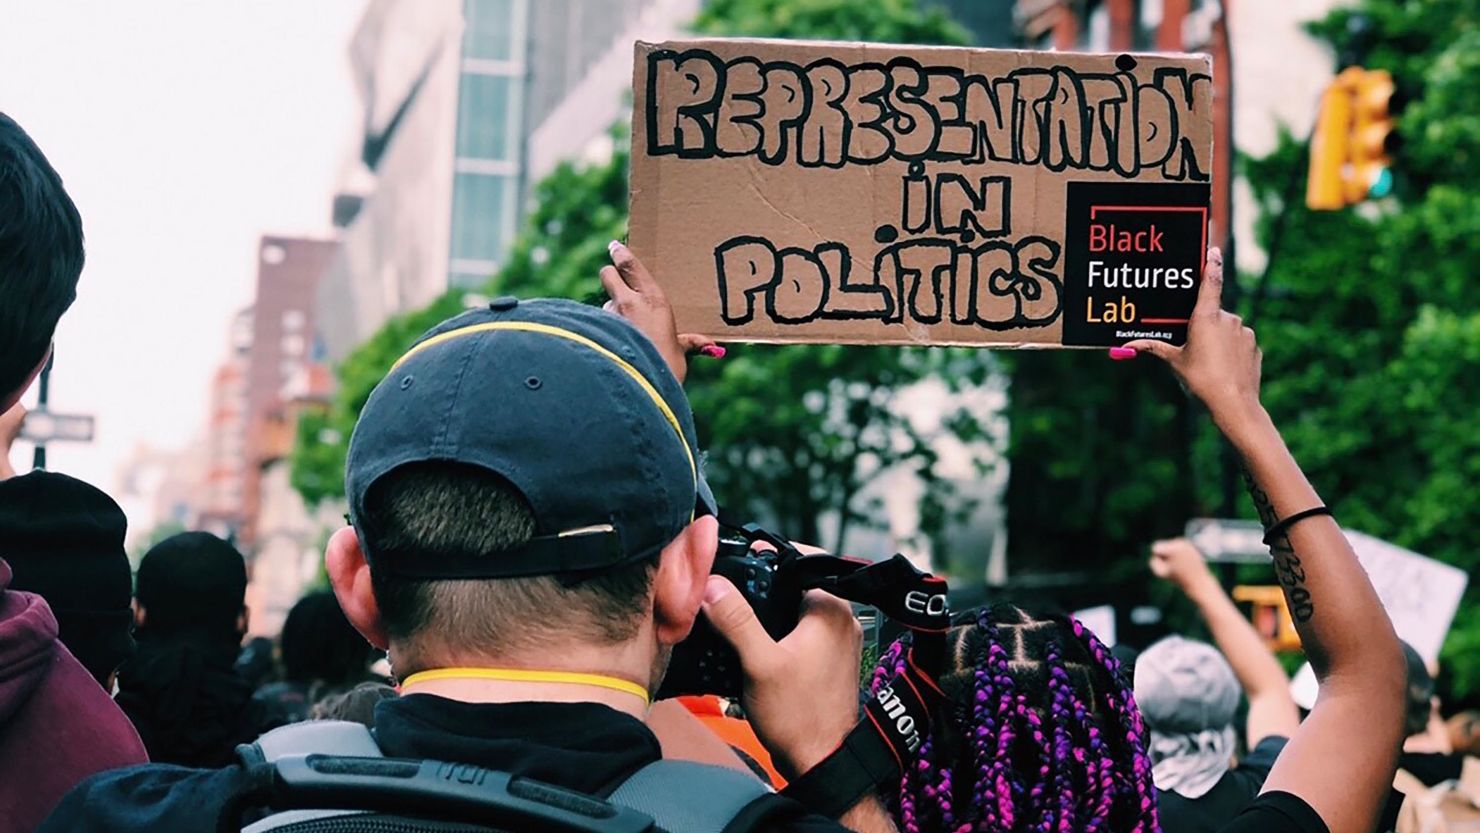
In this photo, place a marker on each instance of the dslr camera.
(705, 663)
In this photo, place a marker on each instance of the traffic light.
(1330, 146)
(1349, 159)
(1372, 126)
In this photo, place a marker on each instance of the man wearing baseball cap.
(530, 535)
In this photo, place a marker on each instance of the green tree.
(796, 433)
(1369, 325)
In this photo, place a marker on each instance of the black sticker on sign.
(1133, 260)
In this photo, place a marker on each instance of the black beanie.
(63, 540)
(193, 581)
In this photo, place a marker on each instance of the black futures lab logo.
(1133, 260)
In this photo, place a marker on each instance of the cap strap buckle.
(574, 550)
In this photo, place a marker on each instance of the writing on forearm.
(1287, 567)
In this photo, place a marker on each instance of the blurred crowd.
(531, 536)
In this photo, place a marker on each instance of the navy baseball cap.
(570, 404)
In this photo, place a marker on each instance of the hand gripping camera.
(705, 663)
(772, 575)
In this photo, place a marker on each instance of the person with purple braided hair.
(1043, 734)
(1040, 732)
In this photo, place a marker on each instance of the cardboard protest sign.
(792, 191)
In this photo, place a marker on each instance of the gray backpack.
(331, 777)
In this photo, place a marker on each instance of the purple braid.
(1099, 775)
(991, 706)
(1029, 715)
(1062, 712)
(1123, 704)
(891, 665)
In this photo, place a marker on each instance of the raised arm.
(1341, 760)
(1272, 711)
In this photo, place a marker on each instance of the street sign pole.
(41, 426)
(38, 457)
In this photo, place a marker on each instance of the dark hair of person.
(40, 254)
(192, 583)
(1420, 692)
(357, 705)
(427, 510)
(1043, 733)
(319, 645)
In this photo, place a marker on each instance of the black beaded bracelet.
(1281, 527)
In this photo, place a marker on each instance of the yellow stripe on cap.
(546, 329)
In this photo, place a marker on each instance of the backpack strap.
(327, 737)
(317, 737)
(689, 797)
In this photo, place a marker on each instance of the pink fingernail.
(1121, 354)
(614, 246)
(713, 351)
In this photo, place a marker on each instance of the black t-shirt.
(1276, 812)
(579, 746)
(1233, 792)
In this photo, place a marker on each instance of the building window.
(485, 117)
(489, 33)
(293, 320)
(480, 208)
(292, 344)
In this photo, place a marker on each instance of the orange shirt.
(737, 733)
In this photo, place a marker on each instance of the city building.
(219, 499)
(160, 492)
(281, 348)
(288, 535)
(465, 104)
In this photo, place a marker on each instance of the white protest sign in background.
(1420, 594)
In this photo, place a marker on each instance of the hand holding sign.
(638, 298)
(1220, 362)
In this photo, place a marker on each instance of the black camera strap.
(897, 718)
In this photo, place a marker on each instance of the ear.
(349, 575)
(678, 587)
(243, 619)
(9, 398)
(140, 614)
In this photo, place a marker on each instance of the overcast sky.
(184, 130)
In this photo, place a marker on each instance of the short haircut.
(320, 645)
(40, 254)
(431, 509)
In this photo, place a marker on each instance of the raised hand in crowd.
(1272, 711)
(637, 297)
(1341, 761)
